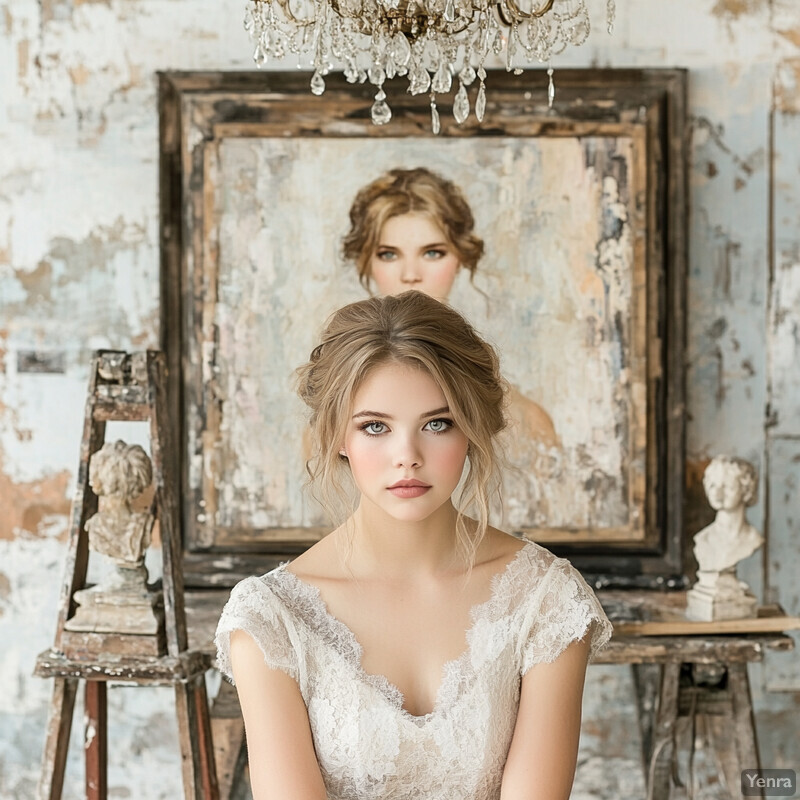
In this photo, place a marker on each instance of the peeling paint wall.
(583, 470)
(79, 270)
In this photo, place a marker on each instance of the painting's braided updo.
(416, 330)
(407, 191)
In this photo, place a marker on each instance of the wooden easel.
(695, 671)
(127, 387)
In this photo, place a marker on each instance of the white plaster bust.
(119, 473)
(730, 485)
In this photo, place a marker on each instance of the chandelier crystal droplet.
(438, 45)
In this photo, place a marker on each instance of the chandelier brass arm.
(286, 8)
(520, 14)
(435, 43)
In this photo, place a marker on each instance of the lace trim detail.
(306, 601)
(334, 632)
(565, 611)
(369, 747)
(252, 608)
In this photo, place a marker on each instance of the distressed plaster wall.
(79, 270)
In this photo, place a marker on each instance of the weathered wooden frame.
(200, 109)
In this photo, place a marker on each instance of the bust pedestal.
(719, 595)
(127, 606)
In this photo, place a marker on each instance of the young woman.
(416, 651)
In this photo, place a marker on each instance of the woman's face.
(413, 253)
(405, 452)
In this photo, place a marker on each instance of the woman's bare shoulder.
(497, 547)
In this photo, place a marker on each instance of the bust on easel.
(123, 629)
(118, 474)
(730, 485)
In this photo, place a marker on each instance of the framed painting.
(581, 208)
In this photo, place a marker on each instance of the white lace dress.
(367, 745)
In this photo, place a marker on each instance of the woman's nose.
(408, 453)
(410, 271)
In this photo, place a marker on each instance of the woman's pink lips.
(409, 491)
(406, 489)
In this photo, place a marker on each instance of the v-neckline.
(341, 633)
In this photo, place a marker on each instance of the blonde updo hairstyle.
(416, 330)
(406, 191)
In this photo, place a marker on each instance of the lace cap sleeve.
(254, 608)
(562, 611)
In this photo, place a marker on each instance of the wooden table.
(690, 675)
(674, 676)
(686, 668)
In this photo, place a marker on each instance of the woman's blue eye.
(370, 428)
(435, 253)
(439, 425)
(387, 255)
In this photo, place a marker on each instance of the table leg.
(660, 767)
(743, 718)
(229, 753)
(96, 740)
(646, 683)
(227, 728)
(720, 740)
(197, 751)
(59, 723)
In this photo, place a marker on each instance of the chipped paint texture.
(79, 270)
(783, 434)
(579, 321)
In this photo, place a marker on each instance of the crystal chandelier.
(429, 41)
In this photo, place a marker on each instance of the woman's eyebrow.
(436, 412)
(381, 415)
(423, 247)
(373, 414)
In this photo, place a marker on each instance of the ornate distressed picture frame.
(581, 208)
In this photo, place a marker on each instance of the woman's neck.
(385, 545)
